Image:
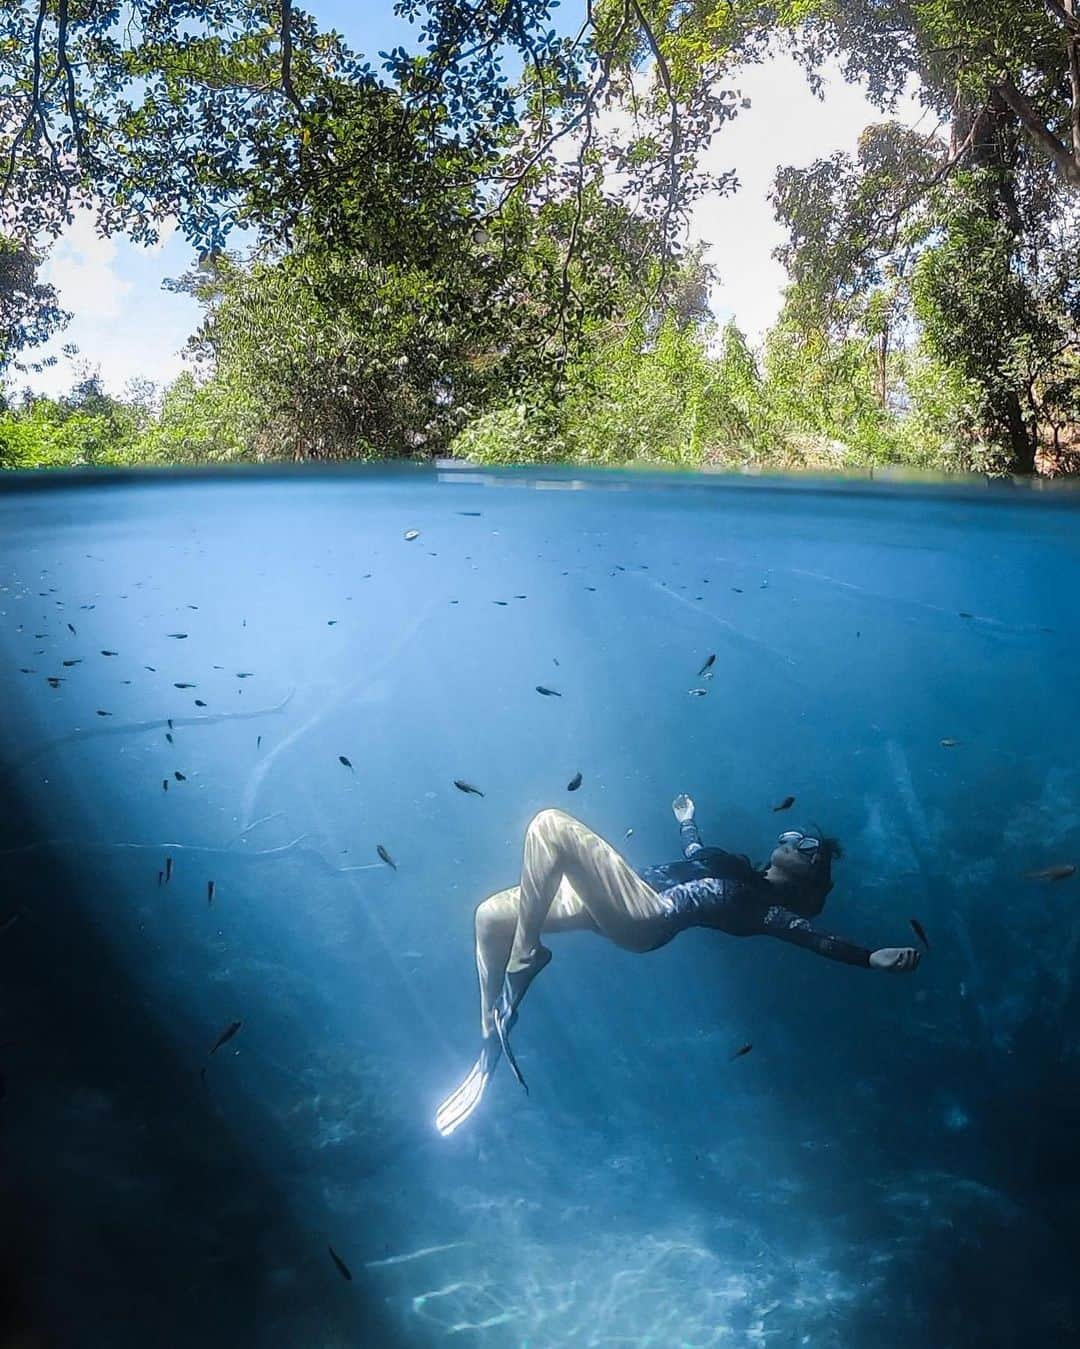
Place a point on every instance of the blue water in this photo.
(896, 1161)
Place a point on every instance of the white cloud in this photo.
(81, 268)
(785, 124)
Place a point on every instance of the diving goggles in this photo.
(801, 843)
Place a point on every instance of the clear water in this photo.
(895, 1163)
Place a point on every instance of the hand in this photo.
(683, 808)
(896, 958)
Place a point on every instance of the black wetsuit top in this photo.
(713, 888)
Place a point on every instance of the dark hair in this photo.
(811, 893)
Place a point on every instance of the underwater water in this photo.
(894, 1163)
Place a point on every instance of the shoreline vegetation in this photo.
(477, 246)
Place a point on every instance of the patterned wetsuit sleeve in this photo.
(788, 926)
(691, 839)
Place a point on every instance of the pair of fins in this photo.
(461, 1103)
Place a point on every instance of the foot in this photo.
(460, 1104)
(504, 1013)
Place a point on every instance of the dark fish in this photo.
(330, 622)
(151, 668)
(169, 720)
(55, 680)
(574, 783)
(743, 1049)
(199, 702)
(179, 776)
(385, 856)
(226, 1035)
(164, 784)
(593, 588)
(343, 1268)
(1058, 873)
(707, 664)
(342, 760)
(555, 659)
(258, 741)
(737, 590)
(465, 787)
(103, 714)
(168, 869)
(209, 892)
(244, 674)
(110, 653)
(920, 932)
(24, 670)
(76, 661)
(786, 804)
(74, 633)
(548, 693)
(192, 606)
(185, 686)
(159, 875)
(168, 736)
(521, 597)
(964, 613)
(178, 634)
(468, 512)
(502, 602)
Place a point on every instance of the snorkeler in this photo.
(573, 880)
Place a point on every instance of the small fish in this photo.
(159, 875)
(151, 668)
(548, 693)
(697, 693)
(199, 702)
(411, 534)
(629, 833)
(54, 680)
(169, 720)
(502, 602)
(592, 588)
(103, 714)
(948, 744)
(385, 856)
(920, 932)
(164, 784)
(168, 869)
(179, 776)
(737, 590)
(964, 613)
(226, 1035)
(77, 661)
(468, 512)
(330, 622)
(708, 665)
(192, 606)
(521, 597)
(574, 783)
(743, 1049)
(24, 670)
(73, 632)
(343, 1268)
(209, 892)
(342, 760)
(1058, 873)
(786, 804)
(244, 674)
(110, 653)
(466, 787)
(168, 736)
(185, 686)
(258, 741)
(178, 635)
(555, 659)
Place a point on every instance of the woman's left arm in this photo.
(788, 926)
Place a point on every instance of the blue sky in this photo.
(127, 326)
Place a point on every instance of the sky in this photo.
(128, 327)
